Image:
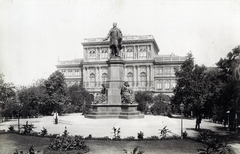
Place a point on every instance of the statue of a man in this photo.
(115, 35)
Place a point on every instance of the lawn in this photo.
(10, 142)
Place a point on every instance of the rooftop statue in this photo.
(115, 35)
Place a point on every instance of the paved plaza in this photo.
(78, 125)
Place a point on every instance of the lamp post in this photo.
(228, 112)
(19, 105)
(181, 108)
(19, 110)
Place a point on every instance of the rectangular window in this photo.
(167, 85)
(159, 84)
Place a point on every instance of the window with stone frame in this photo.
(104, 78)
(63, 72)
(130, 79)
(143, 79)
(159, 71)
(92, 80)
(92, 55)
(159, 84)
(166, 71)
(142, 53)
(77, 73)
(69, 72)
(172, 71)
(167, 85)
(104, 54)
(173, 83)
(129, 53)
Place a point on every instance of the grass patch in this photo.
(10, 142)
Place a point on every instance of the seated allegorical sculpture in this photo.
(127, 94)
(102, 96)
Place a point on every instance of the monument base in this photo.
(123, 111)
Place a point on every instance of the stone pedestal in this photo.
(114, 107)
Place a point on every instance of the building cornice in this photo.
(168, 62)
(68, 65)
(132, 39)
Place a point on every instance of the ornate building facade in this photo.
(144, 69)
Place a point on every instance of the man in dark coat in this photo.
(115, 35)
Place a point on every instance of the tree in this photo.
(6, 91)
(7, 97)
(80, 98)
(55, 96)
(192, 87)
(229, 74)
(160, 104)
(144, 99)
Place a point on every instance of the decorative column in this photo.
(86, 77)
(100, 74)
(134, 76)
(148, 76)
(152, 75)
(137, 75)
(125, 73)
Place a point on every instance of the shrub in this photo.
(31, 151)
(129, 138)
(27, 128)
(154, 138)
(11, 128)
(65, 132)
(105, 138)
(140, 135)
(116, 133)
(205, 136)
(43, 132)
(164, 132)
(184, 135)
(89, 137)
(67, 143)
(135, 151)
(215, 146)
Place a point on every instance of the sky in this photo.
(34, 34)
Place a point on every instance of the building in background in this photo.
(145, 70)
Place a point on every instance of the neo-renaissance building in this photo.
(145, 69)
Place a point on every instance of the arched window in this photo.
(92, 80)
(104, 78)
(143, 79)
(130, 79)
